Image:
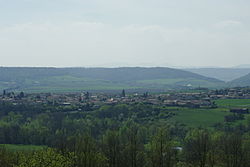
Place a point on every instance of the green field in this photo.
(60, 84)
(160, 81)
(13, 147)
(68, 83)
(199, 117)
(181, 82)
(65, 89)
(233, 103)
(208, 117)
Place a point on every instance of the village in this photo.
(194, 99)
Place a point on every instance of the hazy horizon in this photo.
(243, 66)
(113, 33)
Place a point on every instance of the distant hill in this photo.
(242, 81)
(225, 74)
(243, 66)
(77, 79)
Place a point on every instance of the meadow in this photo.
(233, 103)
(208, 117)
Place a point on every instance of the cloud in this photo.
(95, 43)
(229, 23)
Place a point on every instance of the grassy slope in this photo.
(225, 74)
(70, 83)
(75, 79)
(242, 81)
(183, 82)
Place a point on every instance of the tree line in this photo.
(127, 148)
(118, 136)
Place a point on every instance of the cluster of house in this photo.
(240, 110)
(185, 99)
(230, 93)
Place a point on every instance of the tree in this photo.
(87, 154)
(45, 158)
(213, 156)
(231, 150)
(112, 148)
(7, 159)
(133, 152)
(162, 152)
(248, 122)
(246, 151)
(196, 147)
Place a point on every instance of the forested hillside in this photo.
(75, 79)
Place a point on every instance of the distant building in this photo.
(178, 148)
(240, 110)
(66, 104)
(123, 93)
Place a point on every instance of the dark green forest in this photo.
(120, 135)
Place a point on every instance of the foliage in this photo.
(46, 158)
(136, 135)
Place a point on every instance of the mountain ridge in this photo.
(224, 74)
(42, 78)
(241, 82)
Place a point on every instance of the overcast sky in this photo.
(87, 33)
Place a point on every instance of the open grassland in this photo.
(62, 84)
(160, 81)
(209, 117)
(26, 148)
(39, 89)
(200, 117)
(233, 103)
(181, 82)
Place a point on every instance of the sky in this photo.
(114, 33)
